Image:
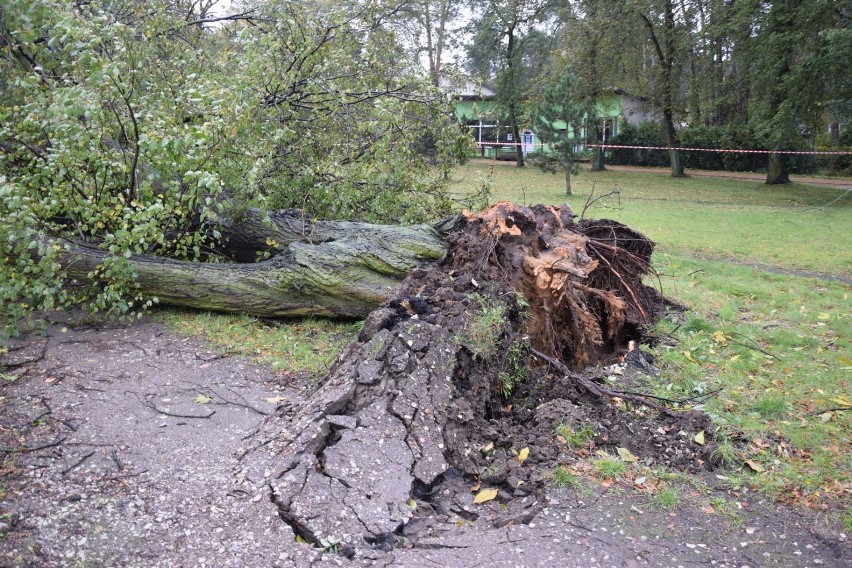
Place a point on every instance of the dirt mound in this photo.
(466, 379)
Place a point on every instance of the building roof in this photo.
(466, 88)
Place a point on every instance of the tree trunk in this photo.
(598, 155)
(513, 111)
(568, 181)
(776, 170)
(324, 268)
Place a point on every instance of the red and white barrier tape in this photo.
(732, 150)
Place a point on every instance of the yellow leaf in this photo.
(412, 504)
(626, 456)
(841, 401)
(485, 495)
(699, 438)
(488, 448)
(823, 316)
(845, 361)
(202, 399)
(719, 337)
(523, 455)
(755, 466)
(276, 399)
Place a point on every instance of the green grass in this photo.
(774, 350)
(304, 348)
(701, 215)
(484, 328)
(576, 438)
(609, 467)
(562, 477)
(668, 497)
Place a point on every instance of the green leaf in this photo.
(202, 399)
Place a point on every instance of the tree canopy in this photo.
(134, 128)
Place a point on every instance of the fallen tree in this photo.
(444, 410)
(324, 268)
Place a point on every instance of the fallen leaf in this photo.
(276, 399)
(841, 401)
(476, 487)
(640, 480)
(485, 495)
(523, 455)
(719, 337)
(606, 483)
(755, 466)
(823, 316)
(488, 448)
(412, 504)
(826, 416)
(699, 438)
(202, 399)
(626, 456)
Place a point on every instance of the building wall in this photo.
(494, 138)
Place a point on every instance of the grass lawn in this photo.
(775, 346)
(776, 225)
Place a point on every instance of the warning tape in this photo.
(732, 150)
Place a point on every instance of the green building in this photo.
(476, 107)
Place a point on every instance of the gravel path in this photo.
(123, 447)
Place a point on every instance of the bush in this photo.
(645, 134)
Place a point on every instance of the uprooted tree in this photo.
(459, 381)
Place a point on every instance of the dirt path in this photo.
(124, 446)
(839, 183)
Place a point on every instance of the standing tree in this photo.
(665, 33)
(790, 83)
(504, 47)
(432, 28)
(592, 49)
(557, 119)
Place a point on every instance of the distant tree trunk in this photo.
(776, 170)
(598, 154)
(667, 60)
(568, 181)
(513, 111)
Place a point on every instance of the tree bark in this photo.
(324, 268)
(776, 171)
(568, 181)
(513, 111)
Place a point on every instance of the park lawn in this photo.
(788, 226)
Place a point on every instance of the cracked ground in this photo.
(111, 459)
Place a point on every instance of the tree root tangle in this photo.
(470, 361)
